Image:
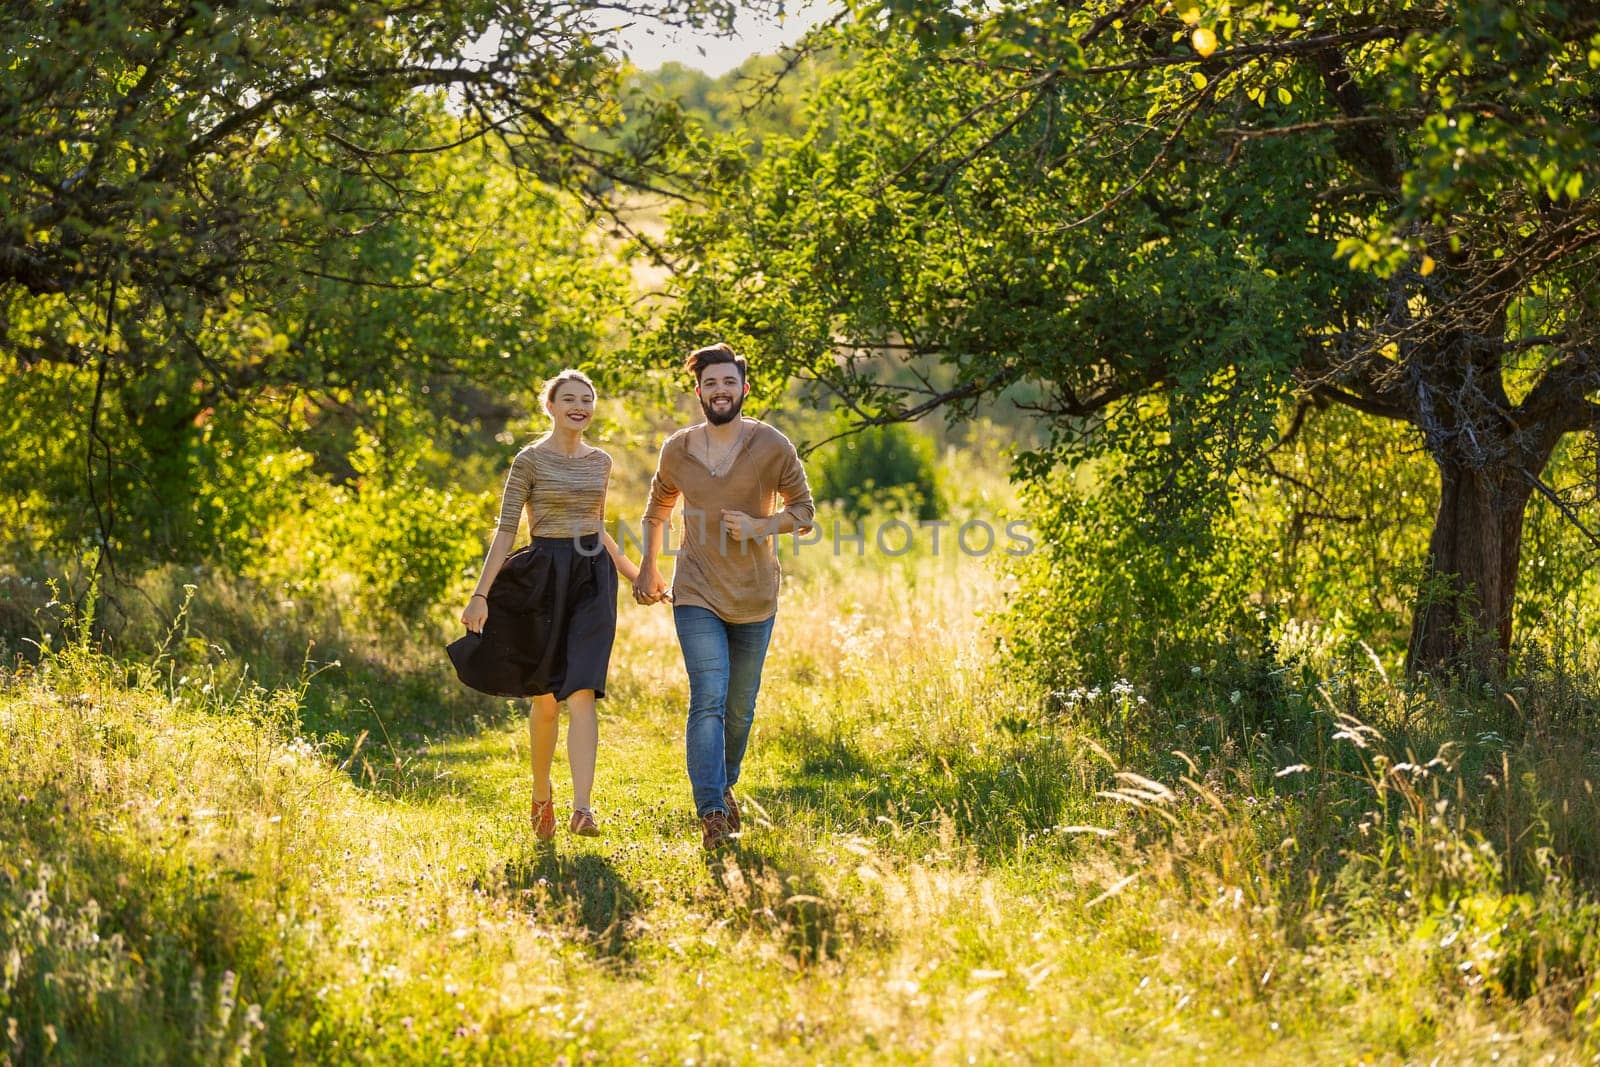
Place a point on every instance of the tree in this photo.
(208, 204)
(482, 286)
(1177, 217)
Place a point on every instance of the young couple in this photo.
(542, 620)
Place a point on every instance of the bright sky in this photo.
(650, 45)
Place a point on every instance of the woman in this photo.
(546, 615)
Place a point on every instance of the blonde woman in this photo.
(542, 619)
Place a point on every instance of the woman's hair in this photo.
(548, 393)
(710, 356)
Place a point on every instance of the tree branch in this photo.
(965, 391)
(1301, 47)
(1101, 396)
(1557, 400)
(405, 76)
(1561, 506)
(1360, 403)
(1341, 84)
(1194, 106)
(1103, 23)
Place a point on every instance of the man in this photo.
(730, 471)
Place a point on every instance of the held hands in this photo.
(475, 614)
(742, 527)
(649, 587)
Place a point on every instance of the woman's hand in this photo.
(648, 586)
(625, 566)
(476, 613)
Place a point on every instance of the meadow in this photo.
(942, 862)
(1278, 325)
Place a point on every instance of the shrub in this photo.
(885, 464)
(388, 547)
(1110, 592)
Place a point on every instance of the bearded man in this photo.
(731, 472)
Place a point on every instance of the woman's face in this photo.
(572, 406)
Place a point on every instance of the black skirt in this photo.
(552, 621)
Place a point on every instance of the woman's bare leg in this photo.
(583, 739)
(543, 726)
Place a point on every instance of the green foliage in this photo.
(495, 289)
(1349, 538)
(1313, 552)
(864, 470)
(213, 215)
(761, 100)
(389, 545)
(1117, 591)
(42, 493)
(1169, 220)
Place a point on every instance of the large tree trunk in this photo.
(1462, 620)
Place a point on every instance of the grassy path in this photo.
(917, 883)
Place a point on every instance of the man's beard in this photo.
(722, 420)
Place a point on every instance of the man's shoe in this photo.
(717, 831)
(543, 817)
(733, 809)
(583, 823)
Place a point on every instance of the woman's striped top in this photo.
(563, 497)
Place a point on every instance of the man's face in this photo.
(721, 393)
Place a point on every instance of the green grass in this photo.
(941, 865)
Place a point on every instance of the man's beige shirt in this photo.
(738, 580)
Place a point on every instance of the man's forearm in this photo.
(783, 522)
(652, 542)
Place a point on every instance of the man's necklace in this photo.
(716, 468)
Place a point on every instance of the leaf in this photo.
(1427, 266)
(1204, 42)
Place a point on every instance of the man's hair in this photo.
(710, 356)
(548, 393)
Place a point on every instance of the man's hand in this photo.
(649, 587)
(741, 527)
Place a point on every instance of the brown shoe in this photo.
(543, 817)
(717, 832)
(583, 823)
(733, 809)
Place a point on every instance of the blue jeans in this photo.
(724, 663)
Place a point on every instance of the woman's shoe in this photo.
(583, 824)
(543, 816)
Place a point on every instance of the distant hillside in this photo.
(760, 98)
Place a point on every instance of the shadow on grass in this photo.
(781, 895)
(988, 797)
(241, 634)
(444, 771)
(412, 703)
(583, 890)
